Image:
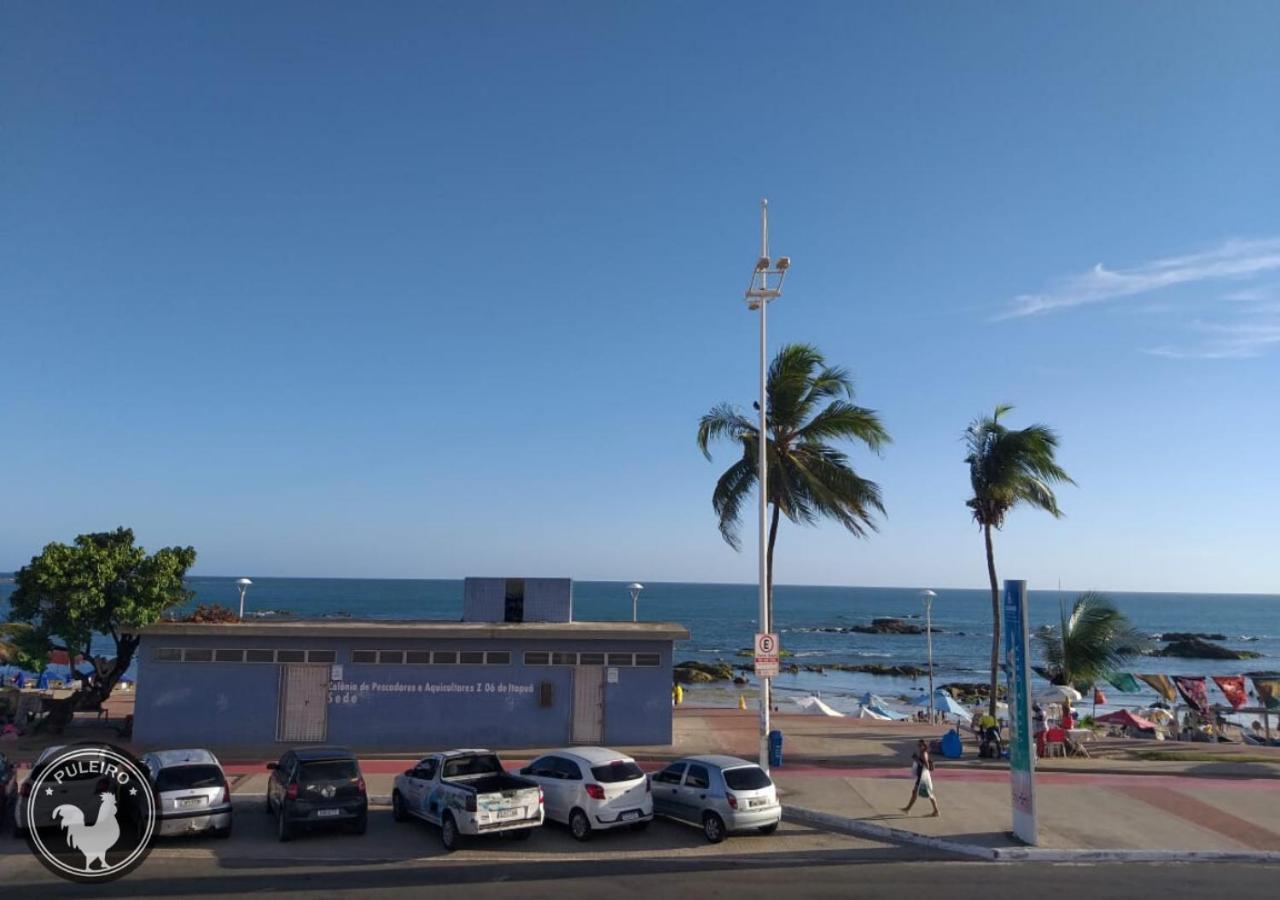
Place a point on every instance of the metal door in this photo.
(304, 703)
(588, 705)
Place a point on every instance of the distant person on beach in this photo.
(922, 768)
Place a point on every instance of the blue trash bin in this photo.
(775, 748)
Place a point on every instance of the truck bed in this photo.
(492, 784)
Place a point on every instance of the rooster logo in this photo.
(92, 840)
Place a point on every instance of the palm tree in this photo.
(1092, 642)
(809, 479)
(1007, 468)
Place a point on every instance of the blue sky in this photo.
(442, 289)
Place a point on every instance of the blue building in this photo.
(517, 671)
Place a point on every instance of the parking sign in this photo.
(766, 655)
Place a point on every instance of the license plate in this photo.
(758, 803)
(188, 802)
(325, 813)
(509, 813)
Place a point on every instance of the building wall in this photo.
(545, 599)
(410, 706)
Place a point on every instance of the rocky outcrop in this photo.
(1198, 649)
(691, 672)
(970, 693)
(890, 626)
(1172, 636)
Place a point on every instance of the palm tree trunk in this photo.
(995, 619)
(773, 536)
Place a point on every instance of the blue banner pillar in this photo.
(1017, 666)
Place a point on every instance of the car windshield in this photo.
(472, 765)
(329, 770)
(188, 778)
(747, 778)
(616, 771)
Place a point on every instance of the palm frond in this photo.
(722, 422)
(1093, 639)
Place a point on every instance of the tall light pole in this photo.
(927, 596)
(635, 588)
(759, 295)
(243, 584)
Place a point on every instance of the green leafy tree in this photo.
(101, 584)
(1091, 642)
(809, 479)
(1008, 468)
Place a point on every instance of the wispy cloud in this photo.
(1236, 340)
(1234, 259)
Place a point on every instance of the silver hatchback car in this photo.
(192, 792)
(723, 794)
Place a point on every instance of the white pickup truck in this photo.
(467, 792)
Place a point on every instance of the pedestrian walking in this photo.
(922, 768)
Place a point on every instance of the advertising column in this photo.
(1022, 759)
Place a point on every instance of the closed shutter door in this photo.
(588, 705)
(304, 703)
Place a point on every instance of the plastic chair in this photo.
(1055, 742)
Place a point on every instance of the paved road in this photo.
(819, 876)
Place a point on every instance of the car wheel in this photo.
(284, 831)
(267, 806)
(768, 829)
(397, 807)
(713, 828)
(522, 835)
(640, 826)
(222, 833)
(449, 833)
(579, 825)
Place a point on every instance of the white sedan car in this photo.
(592, 789)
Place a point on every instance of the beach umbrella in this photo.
(1160, 715)
(1056, 693)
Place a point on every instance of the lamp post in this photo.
(759, 294)
(635, 588)
(927, 596)
(243, 584)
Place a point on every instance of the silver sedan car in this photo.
(723, 794)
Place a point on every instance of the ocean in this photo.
(721, 619)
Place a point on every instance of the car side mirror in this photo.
(411, 773)
(273, 765)
(527, 770)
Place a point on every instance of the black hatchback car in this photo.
(317, 786)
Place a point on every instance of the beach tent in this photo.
(1127, 719)
(816, 707)
(866, 712)
(943, 702)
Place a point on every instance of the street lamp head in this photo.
(783, 263)
(927, 593)
(635, 586)
(762, 264)
(243, 582)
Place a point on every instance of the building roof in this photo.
(418, 628)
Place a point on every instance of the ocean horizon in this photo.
(721, 619)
